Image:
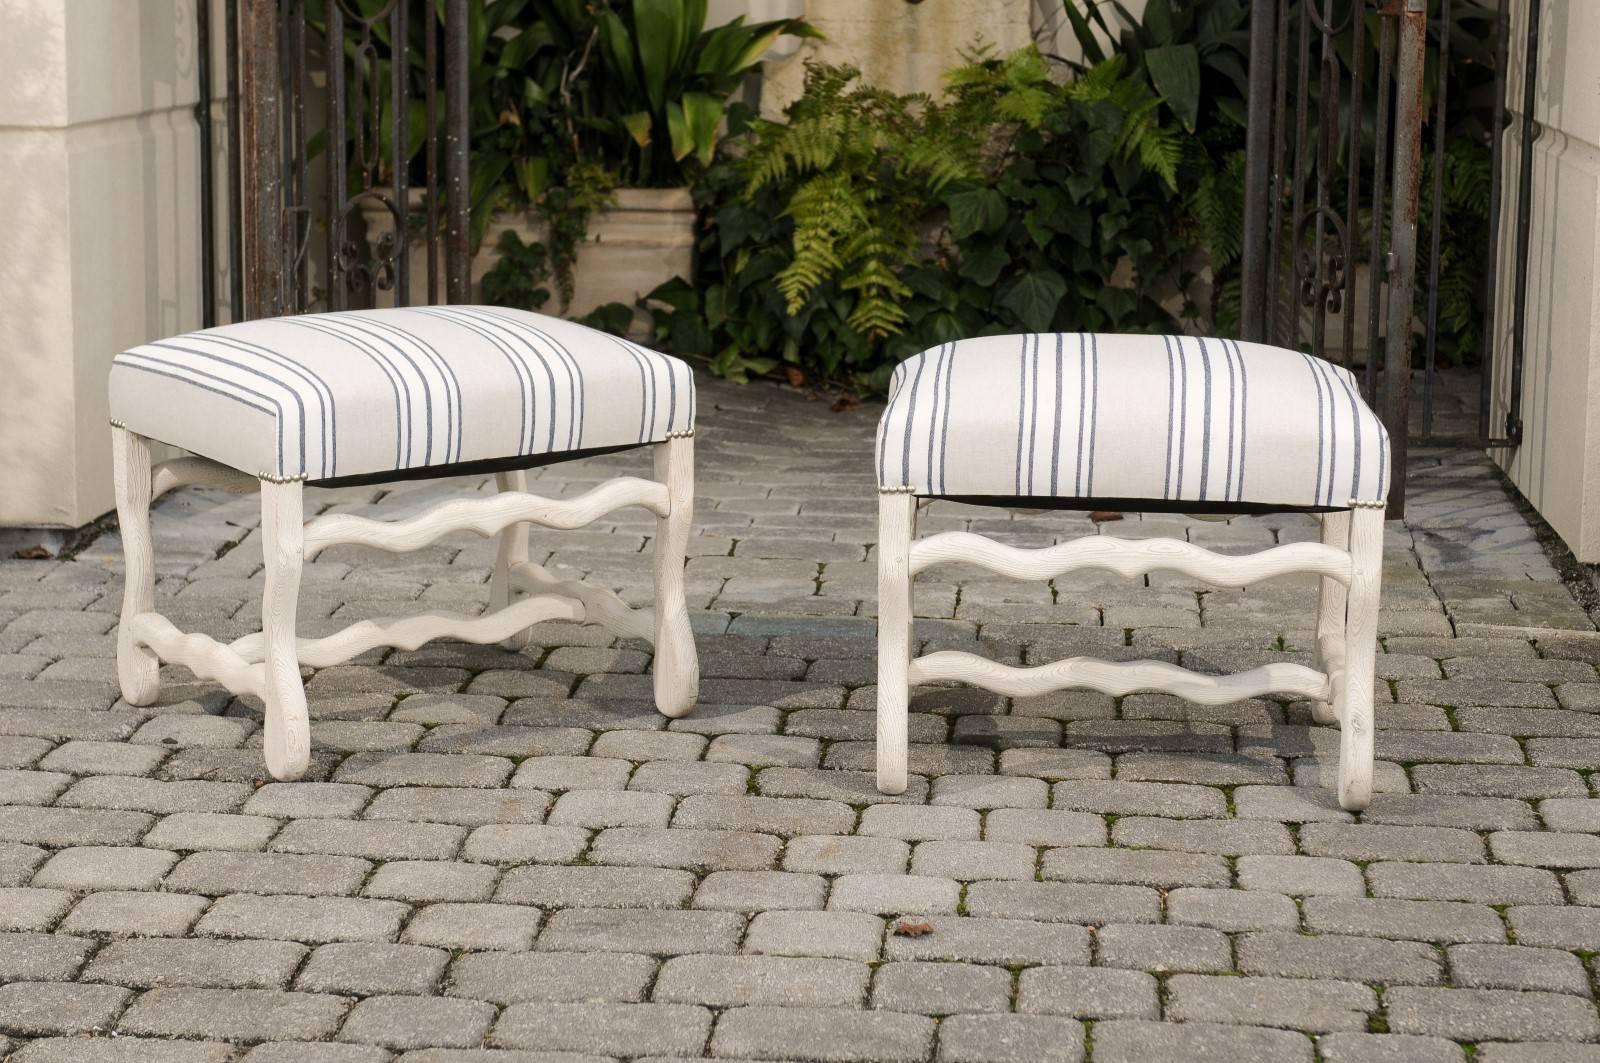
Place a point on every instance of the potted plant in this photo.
(638, 102)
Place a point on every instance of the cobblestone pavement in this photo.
(510, 857)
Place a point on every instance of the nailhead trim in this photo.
(1359, 503)
(897, 490)
(688, 434)
(271, 479)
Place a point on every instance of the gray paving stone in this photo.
(838, 935)
(755, 891)
(1353, 959)
(989, 791)
(1163, 949)
(1010, 1039)
(687, 778)
(1087, 903)
(769, 815)
(520, 843)
(267, 873)
(418, 1022)
(121, 1050)
(1044, 827)
(463, 806)
(1439, 921)
(42, 957)
(1088, 993)
(694, 850)
(1165, 870)
(1490, 1014)
(431, 880)
(1220, 836)
(741, 981)
(32, 909)
(1387, 1048)
(1300, 876)
(823, 1035)
(974, 860)
(327, 800)
(845, 855)
(555, 977)
(1139, 798)
(63, 827)
(596, 887)
(1517, 967)
(894, 894)
(191, 831)
(658, 933)
(233, 1014)
(127, 914)
(941, 988)
(1136, 1041)
(1231, 911)
(1367, 842)
(1537, 1052)
(608, 1029)
(312, 920)
(922, 822)
(1555, 927)
(473, 926)
(1464, 882)
(1312, 1006)
(148, 963)
(363, 969)
(1545, 849)
(969, 939)
(93, 867)
(44, 1009)
(152, 795)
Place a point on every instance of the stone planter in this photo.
(643, 241)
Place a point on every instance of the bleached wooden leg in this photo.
(1331, 617)
(1361, 646)
(138, 669)
(677, 667)
(288, 727)
(896, 514)
(513, 551)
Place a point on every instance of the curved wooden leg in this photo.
(513, 551)
(677, 667)
(138, 669)
(288, 727)
(1361, 646)
(1331, 605)
(896, 512)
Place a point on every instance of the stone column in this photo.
(1555, 465)
(100, 179)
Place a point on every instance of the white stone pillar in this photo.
(1556, 467)
(99, 174)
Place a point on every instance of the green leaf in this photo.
(638, 125)
(1175, 72)
(1081, 29)
(1034, 296)
(703, 115)
(678, 129)
(975, 210)
(1158, 21)
(658, 27)
(982, 264)
(616, 43)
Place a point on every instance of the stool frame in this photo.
(1349, 560)
(522, 593)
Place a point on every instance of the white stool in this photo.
(373, 396)
(1123, 422)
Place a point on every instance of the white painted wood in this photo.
(1331, 616)
(513, 551)
(287, 735)
(201, 654)
(484, 516)
(267, 664)
(1130, 558)
(410, 632)
(200, 472)
(677, 665)
(896, 514)
(138, 669)
(1118, 678)
(600, 605)
(1361, 647)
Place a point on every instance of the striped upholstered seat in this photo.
(335, 396)
(1202, 423)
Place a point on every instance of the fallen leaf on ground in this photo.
(912, 928)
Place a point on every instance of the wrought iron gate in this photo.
(1332, 217)
(328, 190)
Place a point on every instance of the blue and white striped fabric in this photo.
(1174, 418)
(351, 394)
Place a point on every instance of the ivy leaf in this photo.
(1175, 70)
(975, 210)
(1034, 296)
(982, 264)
